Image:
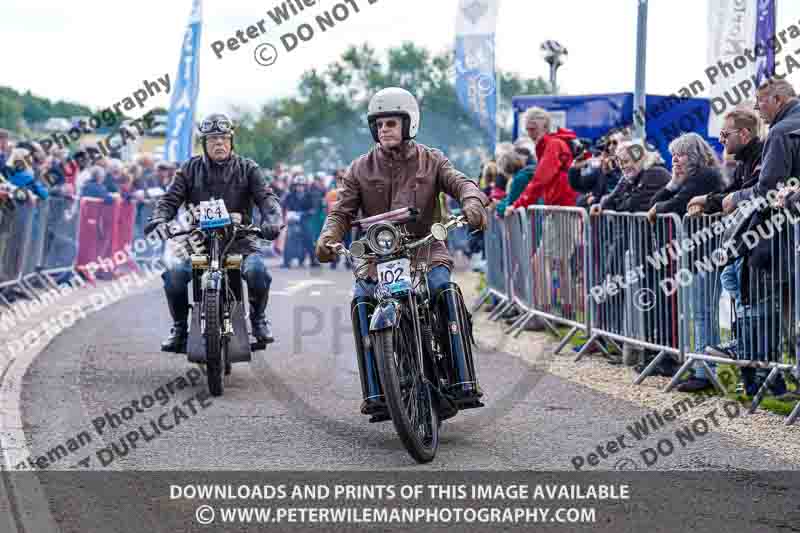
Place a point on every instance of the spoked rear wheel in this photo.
(408, 393)
(215, 351)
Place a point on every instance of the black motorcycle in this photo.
(218, 329)
(421, 370)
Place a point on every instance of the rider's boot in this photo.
(456, 338)
(262, 328)
(179, 309)
(374, 401)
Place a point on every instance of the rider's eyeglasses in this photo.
(724, 134)
(221, 124)
(389, 123)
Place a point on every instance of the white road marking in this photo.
(303, 284)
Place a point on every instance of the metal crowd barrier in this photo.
(558, 265)
(658, 326)
(16, 228)
(519, 269)
(497, 286)
(656, 286)
(34, 249)
(53, 237)
(61, 240)
(762, 289)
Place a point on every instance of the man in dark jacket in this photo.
(777, 103)
(740, 137)
(219, 173)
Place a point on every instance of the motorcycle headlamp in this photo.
(383, 239)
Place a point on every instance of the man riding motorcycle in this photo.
(222, 174)
(399, 173)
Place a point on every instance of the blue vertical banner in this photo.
(765, 30)
(180, 124)
(476, 83)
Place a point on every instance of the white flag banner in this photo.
(731, 29)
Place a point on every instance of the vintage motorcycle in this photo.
(421, 367)
(219, 326)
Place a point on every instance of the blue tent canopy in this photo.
(593, 115)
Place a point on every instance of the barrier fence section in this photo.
(16, 226)
(558, 268)
(674, 287)
(520, 285)
(759, 277)
(42, 241)
(496, 282)
(654, 320)
(61, 245)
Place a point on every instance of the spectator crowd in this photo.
(620, 174)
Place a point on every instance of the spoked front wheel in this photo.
(408, 392)
(216, 354)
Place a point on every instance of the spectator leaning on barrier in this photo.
(739, 135)
(643, 175)
(777, 103)
(695, 171)
(756, 317)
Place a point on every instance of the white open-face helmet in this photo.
(394, 101)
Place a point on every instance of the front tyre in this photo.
(215, 354)
(407, 391)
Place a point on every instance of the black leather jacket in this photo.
(238, 181)
(746, 174)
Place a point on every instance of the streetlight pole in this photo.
(555, 55)
(639, 98)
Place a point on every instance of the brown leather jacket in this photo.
(383, 180)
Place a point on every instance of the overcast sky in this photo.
(97, 52)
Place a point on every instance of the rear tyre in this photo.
(407, 391)
(215, 355)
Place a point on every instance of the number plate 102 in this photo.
(395, 275)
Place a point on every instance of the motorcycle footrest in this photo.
(469, 404)
(380, 417)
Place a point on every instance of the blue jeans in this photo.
(438, 278)
(705, 302)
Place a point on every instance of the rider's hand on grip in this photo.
(475, 213)
(158, 225)
(270, 231)
(324, 252)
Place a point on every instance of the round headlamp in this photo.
(384, 239)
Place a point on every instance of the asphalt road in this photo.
(296, 405)
(105, 411)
